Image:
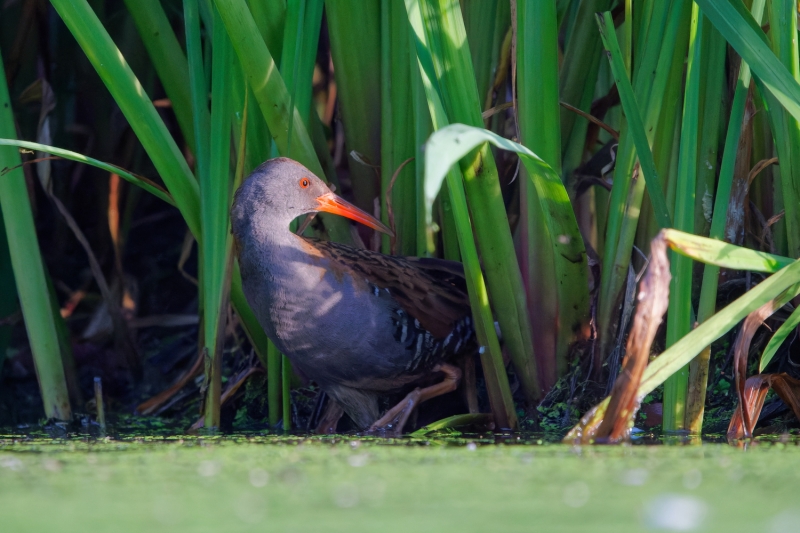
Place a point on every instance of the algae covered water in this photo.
(263, 483)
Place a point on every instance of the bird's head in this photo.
(283, 190)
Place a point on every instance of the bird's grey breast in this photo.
(334, 325)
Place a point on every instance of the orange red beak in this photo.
(330, 203)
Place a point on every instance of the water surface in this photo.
(334, 484)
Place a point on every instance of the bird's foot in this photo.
(392, 423)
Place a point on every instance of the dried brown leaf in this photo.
(612, 424)
(151, 405)
(752, 401)
(234, 385)
(741, 350)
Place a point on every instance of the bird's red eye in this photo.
(304, 183)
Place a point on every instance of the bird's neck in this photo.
(270, 251)
(274, 242)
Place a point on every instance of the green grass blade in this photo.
(270, 18)
(149, 128)
(666, 138)
(244, 130)
(300, 39)
(682, 352)
(480, 23)
(455, 421)
(680, 302)
(786, 128)
(273, 98)
(257, 137)
(423, 127)
(500, 58)
(578, 74)
(387, 123)
(537, 79)
(354, 28)
(455, 141)
(642, 17)
(538, 115)
(292, 62)
(448, 63)
(497, 386)
(660, 49)
(485, 31)
(294, 65)
(214, 205)
(301, 36)
(711, 111)
(268, 85)
(447, 226)
(724, 255)
(26, 260)
(635, 124)
(135, 105)
(627, 38)
(782, 285)
(168, 59)
(197, 85)
(743, 33)
(398, 128)
(786, 329)
(140, 181)
(698, 371)
(256, 150)
(65, 345)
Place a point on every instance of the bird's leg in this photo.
(330, 418)
(395, 418)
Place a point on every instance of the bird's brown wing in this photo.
(433, 291)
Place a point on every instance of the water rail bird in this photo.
(359, 323)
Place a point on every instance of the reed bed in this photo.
(545, 144)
